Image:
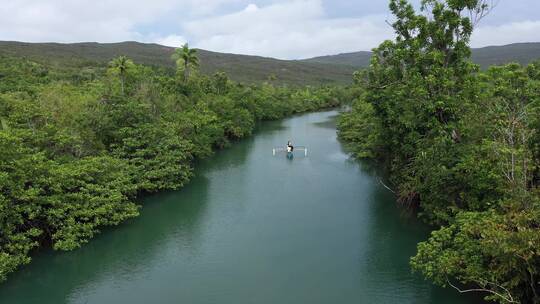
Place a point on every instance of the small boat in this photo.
(290, 153)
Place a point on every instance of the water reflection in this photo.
(250, 228)
(329, 123)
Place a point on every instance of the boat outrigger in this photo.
(289, 150)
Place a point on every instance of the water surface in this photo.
(250, 228)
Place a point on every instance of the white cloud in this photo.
(283, 28)
(97, 20)
(292, 29)
(66, 21)
(204, 7)
(524, 31)
(171, 40)
(286, 29)
(251, 8)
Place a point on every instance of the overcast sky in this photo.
(289, 29)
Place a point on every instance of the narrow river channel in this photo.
(250, 228)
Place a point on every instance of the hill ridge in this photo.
(242, 68)
(521, 52)
(329, 69)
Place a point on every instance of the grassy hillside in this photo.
(241, 68)
(356, 59)
(522, 53)
(250, 69)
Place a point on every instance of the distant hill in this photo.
(356, 59)
(492, 55)
(249, 69)
(522, 53)
(334, 69)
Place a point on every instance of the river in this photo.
(250, 228)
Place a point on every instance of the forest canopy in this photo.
(79, 145)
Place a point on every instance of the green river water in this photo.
(250, 228)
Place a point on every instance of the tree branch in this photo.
(507, 298)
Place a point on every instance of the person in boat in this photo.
(290, 147)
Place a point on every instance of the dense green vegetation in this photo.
(79, 145)
(461, 146)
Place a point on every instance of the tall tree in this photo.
(186, 60)
(425, 74)
(120, 66)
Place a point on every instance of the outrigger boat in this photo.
(289, 152)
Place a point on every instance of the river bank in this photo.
(250, 228)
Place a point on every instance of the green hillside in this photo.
(243, 68)
(356, 59)
(522, 53)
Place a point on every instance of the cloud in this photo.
(292, 29)
(97, 20)
(77, 20)
(251, 8)
(286, 29)
(171, 40)
(523, 31)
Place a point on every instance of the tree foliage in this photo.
(77, 150)
(120, 67)
(186, 60)
(461, 147)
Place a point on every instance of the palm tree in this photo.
(120, 66)
(186, 59)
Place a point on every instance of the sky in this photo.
(286, 29)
